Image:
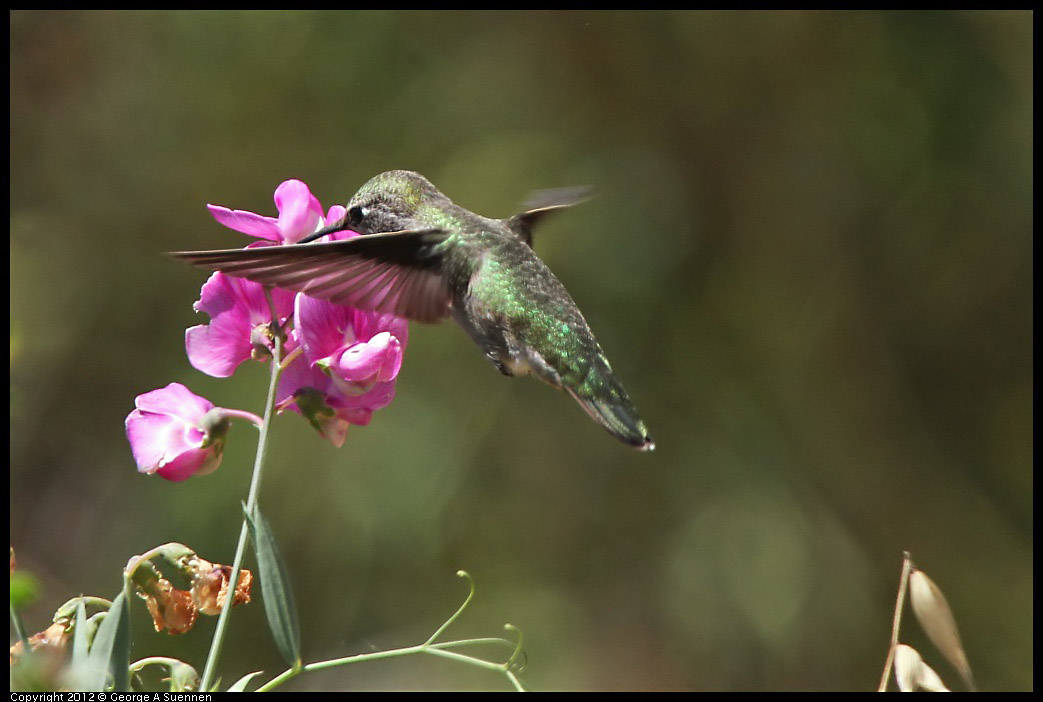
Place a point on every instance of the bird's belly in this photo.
(502, 346)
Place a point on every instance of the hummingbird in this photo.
(425, 258)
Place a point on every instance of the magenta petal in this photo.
(217, 296)
(221, 294)
(247, 222)
(299, 374)
(336, 214)
(377, 397)
(191, 462)
(323, 326)
(175, 400)
(379, 358)
(299, 211)
(369, 324)
(392, 359)
(166, 433)
(213, 351)
(147, 434)
(157, 440)
(358, 417)
(250, 301)
(236, 307)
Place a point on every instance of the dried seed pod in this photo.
(912, 673)
(937, 621)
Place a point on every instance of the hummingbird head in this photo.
(393, 201)
(390, 202)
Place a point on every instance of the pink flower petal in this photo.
(175, 400)
(324, 327)
(377, 359)
(299, 211)
(336, 214)
(358, 417)
(247, 222)
(377, 397)
(148, 436)
(191, 462)
(335, 429)
(369, 324)
(236, 307)
(214, 352)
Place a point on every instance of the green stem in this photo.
(460, 609)
(440, 649)
(251, 502)
(19, 628)
(153, 660)
(434, 650)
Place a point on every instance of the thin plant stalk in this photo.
(430, 647)
(907, 567)
(251, 502)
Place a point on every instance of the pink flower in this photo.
(347, 359)
(357, 348)
(175, 433)
(329, 402)
(240, 324)
(300, 214)
(240, 318)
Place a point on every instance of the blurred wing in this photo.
(556, 198)
(543, 202)
(396, 272)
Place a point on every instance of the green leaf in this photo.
(111, 646)
(240, 684)
(79, 667)
(279, 605)
(120, 661)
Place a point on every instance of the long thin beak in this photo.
(338, 226)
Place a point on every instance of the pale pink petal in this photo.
(148, 434)
(335, 429)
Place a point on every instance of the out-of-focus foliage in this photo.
(810, 264)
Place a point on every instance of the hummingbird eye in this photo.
(356, 214)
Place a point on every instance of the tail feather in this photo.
(619, 418)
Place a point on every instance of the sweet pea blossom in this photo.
(300, 214)
(350, 358)
(347, 367)
(240, 324)
(357, 348)
(175, 433)
(240, 317)
(323, 400)
(341, 363)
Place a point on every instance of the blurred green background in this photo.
(810, 264)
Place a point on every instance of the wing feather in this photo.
(395, 272)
